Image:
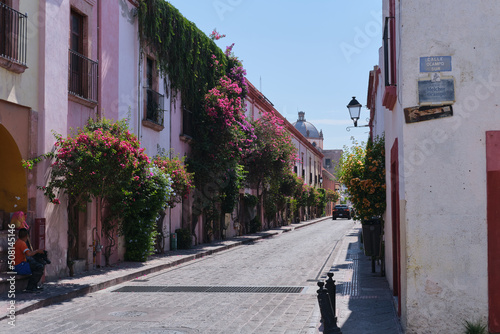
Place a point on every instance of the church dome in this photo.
(307, 129)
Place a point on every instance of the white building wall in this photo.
(129, 68)
(131, 101)
(443, 164)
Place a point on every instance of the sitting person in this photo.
(24, 264)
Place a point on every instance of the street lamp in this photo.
(354, 108)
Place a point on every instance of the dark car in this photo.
(341, 211)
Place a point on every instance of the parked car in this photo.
(341, 211)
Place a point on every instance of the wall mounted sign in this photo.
(435, 64)
(419, 114)
(434, 92)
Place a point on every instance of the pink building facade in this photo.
(309, 163)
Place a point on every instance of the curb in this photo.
(130, 276)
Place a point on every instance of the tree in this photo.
(362, 171)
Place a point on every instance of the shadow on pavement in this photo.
(364, 299)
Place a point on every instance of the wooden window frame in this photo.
(151, 87)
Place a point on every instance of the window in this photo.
(76, 37)
(390, 94)
(187, 122)
(82, 70)
(154, 100)
(389, 52)
(13, 37)
(328, 163)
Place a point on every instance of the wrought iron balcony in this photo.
(13, 34)
(82, 78)
(154, 106)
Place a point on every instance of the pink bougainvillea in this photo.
(182, 181)
(215, 35)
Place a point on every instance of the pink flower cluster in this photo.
(215, 35)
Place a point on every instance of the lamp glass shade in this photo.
(354, 109)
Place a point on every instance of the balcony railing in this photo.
(13, 34)
(82, 80)
(154, 106)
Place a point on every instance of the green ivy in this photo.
(182, 50)
(197, 68)
(250, 200)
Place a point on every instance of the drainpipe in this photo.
(172, 106)
(139, 90)
(99, 106)
(99, 65)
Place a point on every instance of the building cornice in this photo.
(255, 96)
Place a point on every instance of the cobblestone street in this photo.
(295, 259)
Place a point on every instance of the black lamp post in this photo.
(354, 108)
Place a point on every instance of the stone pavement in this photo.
(365, 304)
(364, 301)
(102, 278)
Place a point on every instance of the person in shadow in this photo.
(25, 264)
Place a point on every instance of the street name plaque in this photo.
(435, 64)
(436, 92)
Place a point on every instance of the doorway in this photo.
(493, 226)
(395, 223)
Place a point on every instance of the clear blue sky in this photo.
(304, 55)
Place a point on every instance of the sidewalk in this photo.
(102, 278)
(365, 304)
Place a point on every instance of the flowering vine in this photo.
(182, 180)
(223, 136)
(215, 36)
(269, 163)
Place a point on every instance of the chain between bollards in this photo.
(327, 305)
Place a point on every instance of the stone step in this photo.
(20, 283)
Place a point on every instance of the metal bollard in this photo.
(327, 313)
(332, 291)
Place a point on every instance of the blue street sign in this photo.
(435, 64)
